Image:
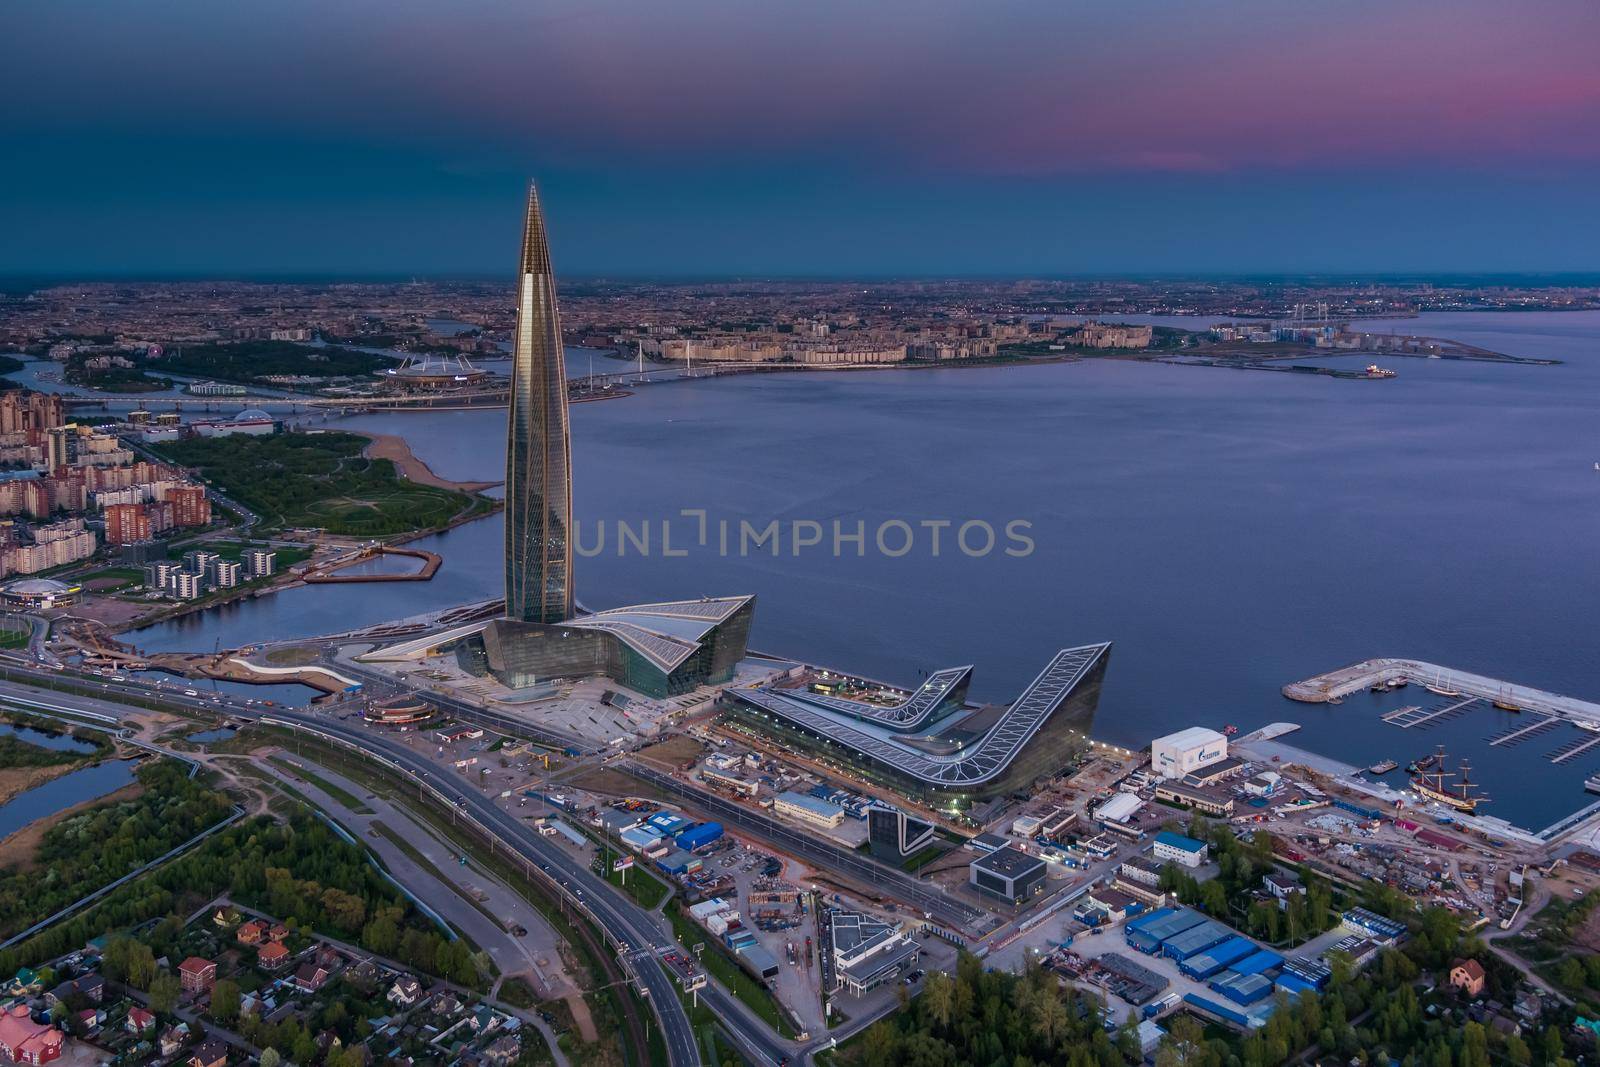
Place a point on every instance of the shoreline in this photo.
(397, 450)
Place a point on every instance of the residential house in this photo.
(1468, 977)
(278, 932)
(311, 976)
(272, 956)
(405, 993)
(173, 1038)
(197, 975)
(1282, 885)
(209, 1053)
(251, 933)
(1528, 1005)
(26, 1041)
(24, 984)
(138, 1021)
(503, 1051)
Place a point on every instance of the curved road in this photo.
(638, 935)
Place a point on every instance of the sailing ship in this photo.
(1504, 701)
(1435, 786)
(1439, 687)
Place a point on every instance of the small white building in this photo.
(1119, 808)
(1264, 784)
(1186, 751)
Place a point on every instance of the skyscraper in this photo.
(538, 450)
(661, 649)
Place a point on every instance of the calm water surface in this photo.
(1230, 531)
(58, 794)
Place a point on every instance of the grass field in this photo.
(320, 481)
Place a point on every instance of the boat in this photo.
(1587, 724)
(1383, 767)
(1229, 730)
(1505, 703)
(1440, 688)
(1375, 371)
(1398, 683)
(1417, 766)
(1379, 687)
(1434, 786)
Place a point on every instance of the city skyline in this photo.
(830, 141)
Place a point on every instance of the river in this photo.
(1230, 531)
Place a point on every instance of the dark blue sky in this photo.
(716, 137)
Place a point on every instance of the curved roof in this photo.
(940, 692)
(37, 587)
(668, 633)
(976, 763)
(251, 415)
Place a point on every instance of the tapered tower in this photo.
(538, 449)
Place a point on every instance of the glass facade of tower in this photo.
(538, 451)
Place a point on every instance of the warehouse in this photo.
(1194, 941)
(1263, 961)
(1244, 989)
(699, 836)
(1187, 751)
(1190, 797)
(1119, 808)
(1216, 960)
(1373, 926)
(639, 838)
(1148, 932)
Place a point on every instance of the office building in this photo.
(1007, 874)
(893, 836)
(813, 811)
(867, 952)
(1176, 848)
(931, 747)
(538, 450)
(661, 649)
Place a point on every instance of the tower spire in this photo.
(538, 449)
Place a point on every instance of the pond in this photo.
(58, 795)
(44, 739)
(206, 737)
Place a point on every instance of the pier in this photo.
(1574, 749)
(1518, 734)
(1413, 716)
(1337, 684)
(327, 573)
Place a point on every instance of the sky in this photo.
(799, 137)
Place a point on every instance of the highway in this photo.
(638, 936)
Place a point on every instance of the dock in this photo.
(1337, 684)
(1574, 749)
(1518, 734)
(1410, 717)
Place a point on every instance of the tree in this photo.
(164, 990)
(270, 1058)
(938, 997)
(224, 1006)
